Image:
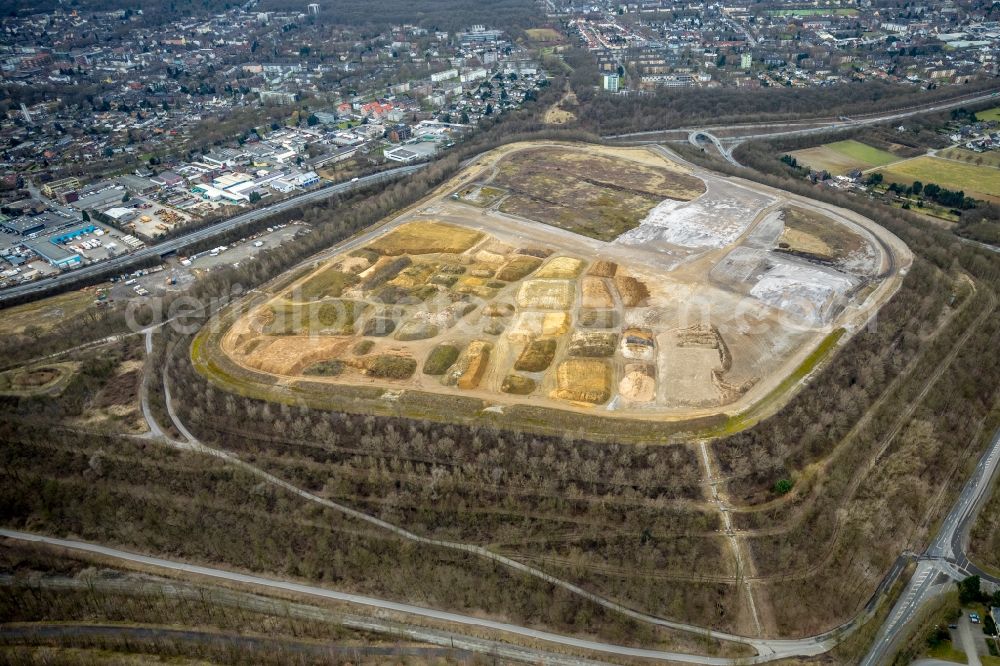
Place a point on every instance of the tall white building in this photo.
(314, 8)
(610, 82)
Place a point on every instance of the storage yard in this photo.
(714, 295)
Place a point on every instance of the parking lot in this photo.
(98, 245)
(179, 273)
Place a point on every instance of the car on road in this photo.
(974, 618)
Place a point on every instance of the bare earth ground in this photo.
(715, 297)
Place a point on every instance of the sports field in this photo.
(975, 181)
(842, 156)
(543, 35)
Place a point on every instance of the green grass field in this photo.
(840, 157)
(989, 114)
(863, 152)
(991, 158)
(975, 181)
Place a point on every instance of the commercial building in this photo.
(57, 255)
(23, 226)
(121, 214)
(138, 185)
(610, 82)
(478, 34)
(60, 188)
(411, 152)
(70, 234)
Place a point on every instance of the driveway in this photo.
(967, 636)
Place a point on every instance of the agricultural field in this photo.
(980, 182)
(989, 158)
(841, 157)
(708, 297)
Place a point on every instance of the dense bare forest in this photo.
(629, 522)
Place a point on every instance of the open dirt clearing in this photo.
(598, 195)
(46, 313)
(453, 298)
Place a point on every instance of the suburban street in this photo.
(174, 244)
(945, 560)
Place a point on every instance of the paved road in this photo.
(858, 119)
(444, 616)
(727, 153)
(945, 560)
(30, 634)
(965, 629)
(154, 251)
(377, 623)
(726, 145)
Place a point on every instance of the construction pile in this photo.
(603, 269)
(638, 343)
(561, 268)
(471, 366)
(517, 385)
(583, 380)
(632, 291)
(594, 344)
(595, 293)
(639, 383)
(536, 356)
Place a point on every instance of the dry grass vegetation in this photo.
(811, 235)
(425, 237)
(40, 316)
(984, 541)
(597, 195)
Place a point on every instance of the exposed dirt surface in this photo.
(597, 195)
(463, 295)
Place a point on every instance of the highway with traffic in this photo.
(150, 252)
(725, 145)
